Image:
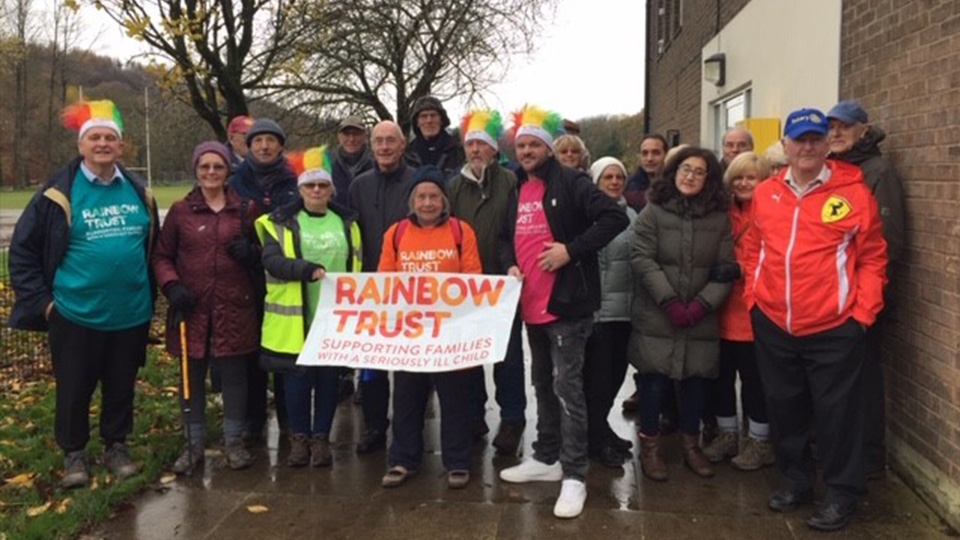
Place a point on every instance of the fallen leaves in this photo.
(257, 509)
(35, 511)
(168, 478)
(23, 480)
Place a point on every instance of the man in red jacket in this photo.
(815, 272)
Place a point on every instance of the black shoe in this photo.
(608, 456)
(507, 441)
(372, 441)
(784, 500)
(831, 516)
(76, 472)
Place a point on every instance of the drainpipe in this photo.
(646, 73)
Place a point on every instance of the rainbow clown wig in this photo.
(313, 165)
(482, 125)
(542, 124)
(84, 115)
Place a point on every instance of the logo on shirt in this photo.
(835, 209)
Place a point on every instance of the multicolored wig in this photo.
(542, 124)
(312, 165)
(84, 115)
(482, 125)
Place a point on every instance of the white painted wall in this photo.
(786, 51)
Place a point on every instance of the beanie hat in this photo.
(482, 125)
(210, 147)
(84, 115)
(429, 103)
(431, 174)
(540, 123)
(312, 165)
(240, 124)
(265, 125)
(601, 165)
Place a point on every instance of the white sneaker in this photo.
(532, 470)
(573, 494)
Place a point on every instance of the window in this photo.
(669, 21)
(729, 111)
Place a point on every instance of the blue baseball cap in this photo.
(803, 121)
(848, 112)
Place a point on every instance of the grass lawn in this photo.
(165, 195)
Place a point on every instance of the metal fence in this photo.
(24, 356)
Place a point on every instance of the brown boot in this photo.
(651, 463)
(299, 450)
(693, 456)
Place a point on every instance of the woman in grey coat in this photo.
(676, 240)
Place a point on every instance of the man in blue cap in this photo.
(815, 272)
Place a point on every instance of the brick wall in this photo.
(902, 61)
(675, 75)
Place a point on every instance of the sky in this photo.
(589, 62)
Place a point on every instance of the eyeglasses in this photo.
(315, 185)
(686, 170)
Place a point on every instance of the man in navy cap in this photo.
(814, 284)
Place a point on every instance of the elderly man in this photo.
(734, 142)
(853, 140)
(83, 240)
(379, 196)
(481, 195)
(352, 157)
(559, 224)
(237, 139)
(432, 145)
(814, 283)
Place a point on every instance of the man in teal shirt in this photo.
(79, 265)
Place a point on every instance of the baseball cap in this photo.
(802, 121)
(240, 124)
(351, 122)
(848, 112)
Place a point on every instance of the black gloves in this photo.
(725, 273)
(240, 250)
(180, 297)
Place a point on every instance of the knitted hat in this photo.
(542, 124)
(265, 125)
(240, 124)
(211, 147)
(312, 165)
(482, 125)
(601, 165)
(84, 115)
(431, 174)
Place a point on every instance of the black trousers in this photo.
(874, 435)
(604, 368)
(738, 357)
(83, 357)
(375, 385)
(815, 378)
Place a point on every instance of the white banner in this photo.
(411, 321)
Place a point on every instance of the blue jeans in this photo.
(511, 393)
(557, 351)
(319, 383)
(693, 394)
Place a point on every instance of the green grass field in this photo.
(166, 195)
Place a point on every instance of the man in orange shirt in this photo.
(815, 271)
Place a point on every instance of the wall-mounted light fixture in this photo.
(715, 69)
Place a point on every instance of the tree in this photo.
(22, 14)
(380, 56)
(220, 50)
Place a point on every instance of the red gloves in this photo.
(685, 315)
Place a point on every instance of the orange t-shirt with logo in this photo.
(430, 249)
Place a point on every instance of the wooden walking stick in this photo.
(185, 387)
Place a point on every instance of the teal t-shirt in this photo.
(322, 241)
(102, 281)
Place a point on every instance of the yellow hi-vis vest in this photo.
(284, 323)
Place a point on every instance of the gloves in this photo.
(677, 313)
(180, 297)
(696, 311)
(240, 250)
(725, 273)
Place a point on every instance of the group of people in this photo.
(695, 270)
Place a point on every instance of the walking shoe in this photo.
(531, 470)
(189, 458)
(458, 479)
(396, 476)
(756, 453)
(237, 456)
(651, 463)
(573, 493)
(507, 441)
(372, 441)
(76, 473)
(117, 461)
(632, 403)
(709, 432)
(784, 500)
(299, 451)
(320, 454)
(723, 446)
(693, 456)
(831, 516)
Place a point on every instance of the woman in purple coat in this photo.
(202, 263)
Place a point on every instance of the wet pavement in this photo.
(346, 500)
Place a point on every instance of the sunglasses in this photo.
(315, 185)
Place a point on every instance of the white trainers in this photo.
(573, 494)
(532, 470)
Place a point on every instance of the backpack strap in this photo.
(402, 228)
(398, 232)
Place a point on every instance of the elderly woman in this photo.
(743, 175)
(428, 230)
(572, 152)
(302, 241)
(205, 249)
(605, 359)
(677, 239)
